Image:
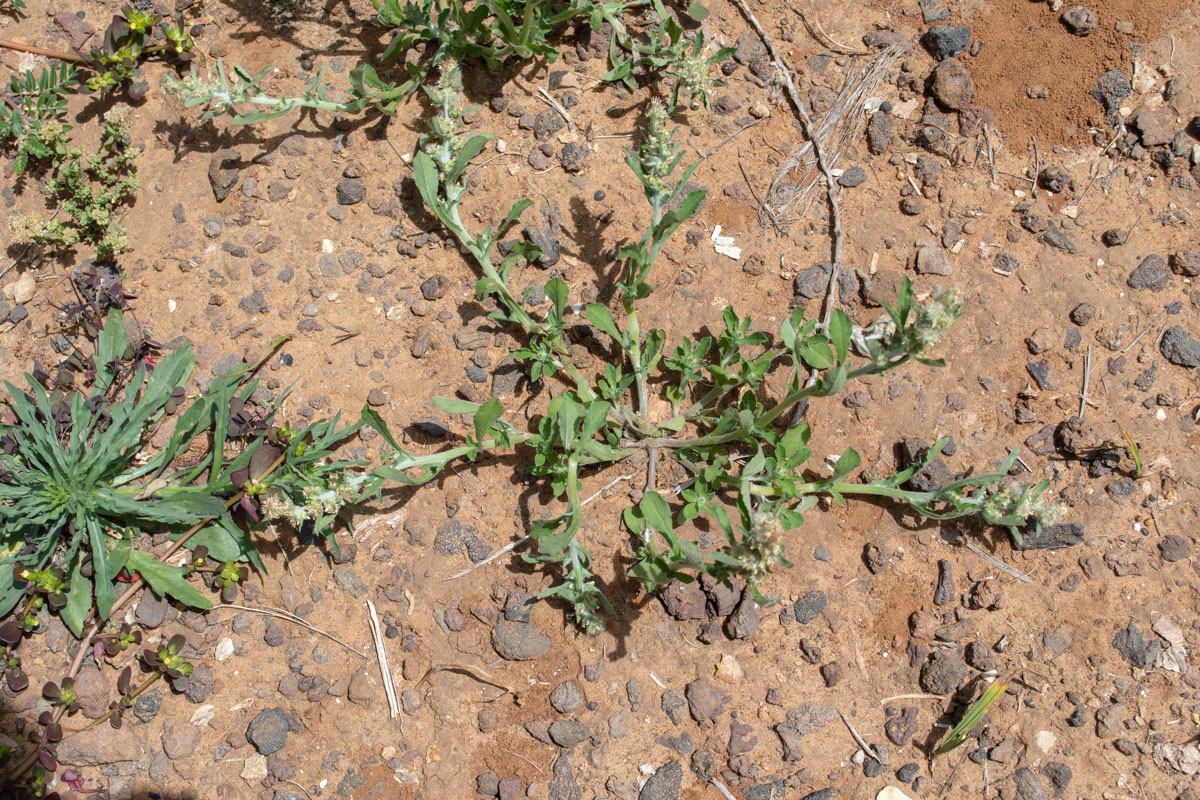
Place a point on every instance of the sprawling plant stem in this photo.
(726, 438)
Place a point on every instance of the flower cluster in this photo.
(657, 155)
(1016, 500)
(932, 321)
(323, 498)
(443, 143)
(761, 548)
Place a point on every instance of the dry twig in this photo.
(506, 549)
(381, 654)
(295, 620)
(1087, 380)
(1138, 338)
(995, 562)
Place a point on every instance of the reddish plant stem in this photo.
(40, 51)
(85, 645)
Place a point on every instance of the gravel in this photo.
(705, 702)
(1029, 785)
(519, 641)
(1180, 348)
(809, 607)
(179, 739)
(946, 41)
(546, 241)
(944, 671)
(350, 191)
(880, 131)
(952, 85)
(744, 620)
(1080, 20)
(567, 733)
(268, 730)
(566, 697)
(664, 784)
(1152, 274)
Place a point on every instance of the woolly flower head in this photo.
(761, 548)
(933, 320)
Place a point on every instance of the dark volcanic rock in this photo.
(946, 41)
(1180, 348)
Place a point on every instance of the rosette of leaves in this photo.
(167, 660)
(73, 490)
(131, 37)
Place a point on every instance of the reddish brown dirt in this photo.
(984, 398)
(1025, 44)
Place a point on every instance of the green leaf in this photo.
(167, 580)
(846, 463)
(373, 420)
(602, 318)
(100, 567)
(487, 414)
(840, 328)
(595, 418)
(816, 352)
(795, 438)
(557, 291)
(425, 175)
(514, 214)
(634, 520)
(657, 513)
(697, 12)
(470, 149)
(79, 600)
(453, 405)
(110, 347)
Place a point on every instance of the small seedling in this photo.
(132, 37)
(959, 733)
(1134, 454)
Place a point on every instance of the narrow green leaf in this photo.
(79, 600)
(167, 580)
(425, 175)
(100, 568)
(840, 328)
(973, 717)
(453, 405)
(373, 420)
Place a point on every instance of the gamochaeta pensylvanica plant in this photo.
(492, 31)
(79, 491)
(722, 428)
